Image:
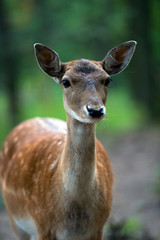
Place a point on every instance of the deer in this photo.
(56, 178)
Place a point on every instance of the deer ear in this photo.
(118, 58)
(48, 60)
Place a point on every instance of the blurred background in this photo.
(131, 130)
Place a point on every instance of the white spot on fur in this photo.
(15, 139)
(50, 156)
(36, 212)
(6, 189)
(22, 162)
(42, 122)
(59, 143)
(53, 164)
(100, 164)
(6, 148)
(20, 155)
(20, 127)
(61, 125)
(23, 192)
(35, 179)
(34, 198)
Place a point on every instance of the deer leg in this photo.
(19, 233)
(98, 236)
(45, 236)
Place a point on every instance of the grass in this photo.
(128, 229)
(122, 112)
(4, 117)
(1, 202)
(156, 184)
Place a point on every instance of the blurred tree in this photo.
(144, 18)
(78, 29)
(9, 62)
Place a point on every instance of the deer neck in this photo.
(79, 156)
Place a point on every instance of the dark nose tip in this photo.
(95, 113)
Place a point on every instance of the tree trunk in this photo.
(145, 83)
(9, 64)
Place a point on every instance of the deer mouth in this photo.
(87, 114)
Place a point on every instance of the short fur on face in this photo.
(84, 75)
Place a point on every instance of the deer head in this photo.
(84, 82)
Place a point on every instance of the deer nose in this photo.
(95, 112)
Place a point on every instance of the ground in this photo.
(135, 157)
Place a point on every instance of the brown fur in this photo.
(30, 187)
(57, 184)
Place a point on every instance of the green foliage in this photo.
(76, 29)
(122, 111)
(1, 202)
(130, 229)
(5, 125)
(41, 98)
(156, 186)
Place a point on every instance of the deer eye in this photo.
(107, 81)
(66, 83)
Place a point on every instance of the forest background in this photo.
(82, 29)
